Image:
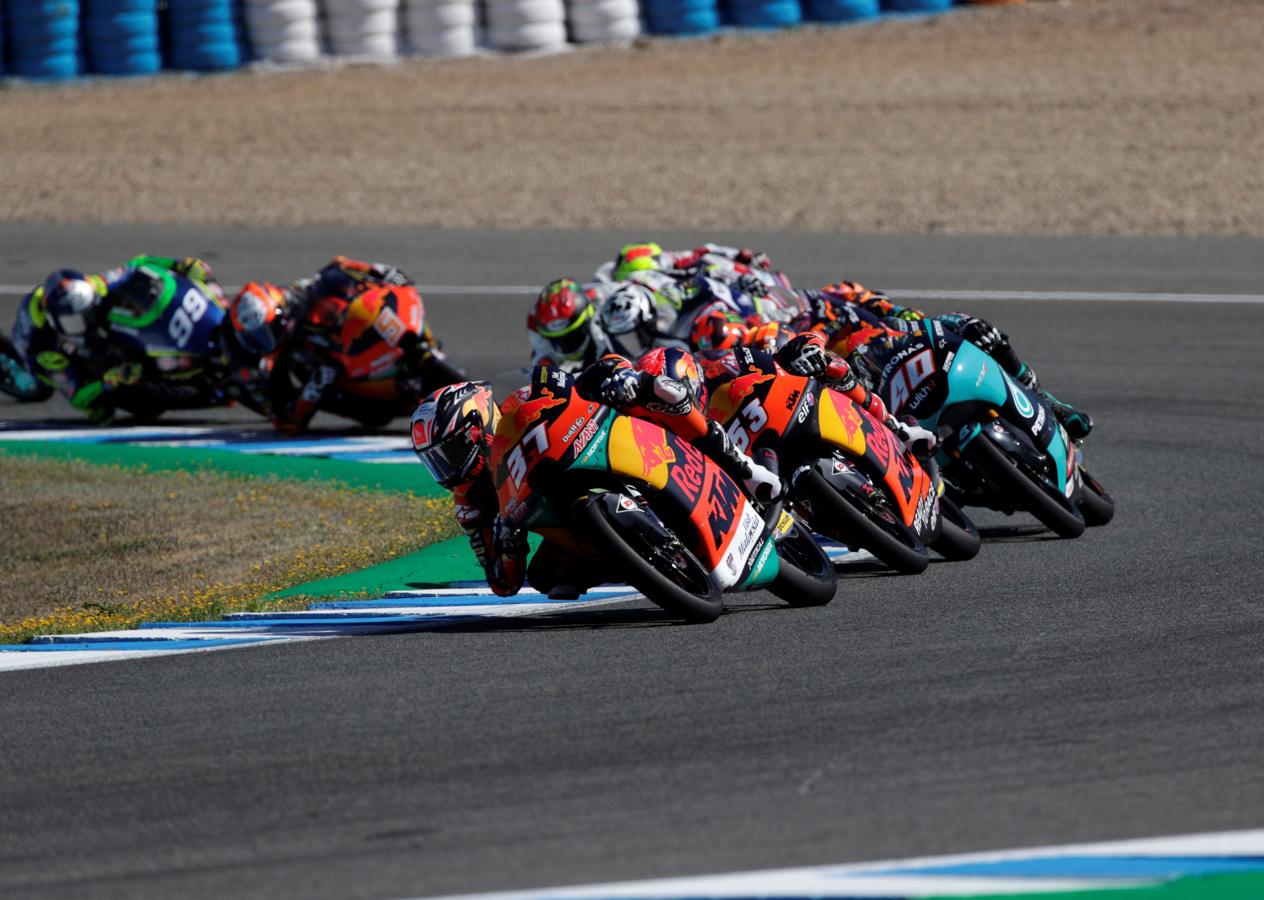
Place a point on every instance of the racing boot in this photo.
(760, 481)
(1077, 423)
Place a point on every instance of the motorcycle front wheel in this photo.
(1004, 472)
(658, 565)
(1096, 506)
(805, 575)
(856, 523)
(958, 538)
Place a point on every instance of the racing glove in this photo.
(983, 334)
(619, 388)
(804, 355)
(510, 542)
(916, 439)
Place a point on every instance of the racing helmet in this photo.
(678, 365)
(563, 315)
(72, 304)
(259, 314)
(452, 431)
(636, 258)
(630, 319)
(718, 330)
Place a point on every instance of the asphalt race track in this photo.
(1047, 692)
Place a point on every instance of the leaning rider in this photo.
(851, 316)
(452, 432)
(62, 332)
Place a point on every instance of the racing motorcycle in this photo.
(1000, 445)
(386, 357)
(657, 512)
(851, 479)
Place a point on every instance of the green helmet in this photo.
(636, 258)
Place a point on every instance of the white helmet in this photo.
(629, 317)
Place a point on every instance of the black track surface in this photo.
(1047, 691)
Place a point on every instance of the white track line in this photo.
(517, 290)
(898, 878)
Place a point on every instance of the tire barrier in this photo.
(526, 24)
(764, 13)
(596, 21)
(43, 38)
(916, 6)
(682, 16)
(363, 28)
(59, 39)
(121, 36)
(441, 27)
(841, 10)
(204, 35)
(283, 31)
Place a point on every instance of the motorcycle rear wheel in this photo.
(670, 576)
(1005, 474)
(842, 518)
(958, 538)
(805, 575)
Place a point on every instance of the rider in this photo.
(452, 431)
(851, 316)
(62, 332)
(563, 325)
(315, 315)
(637, 259)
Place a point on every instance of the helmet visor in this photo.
(632, 344)
(261, 339)
(450, 460)
(572, 339)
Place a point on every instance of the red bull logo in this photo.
(656, 453)
(527, 411)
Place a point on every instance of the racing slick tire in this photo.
(958, 538)
(850, 521)
(1095, 505)
(1005, 473)
(665, 571)
(805, 575)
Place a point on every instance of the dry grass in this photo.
(1081, 116)
(99, 547)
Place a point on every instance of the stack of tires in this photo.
(363, 28)
(841, 10)
(43, 38)
(764, 13)
(682, 16)
(441, 27)
(526, 24)
(204, 35)
(593, 21)
(121, 36)
(283, 31)
(916, 6)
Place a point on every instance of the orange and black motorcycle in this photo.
(851, 480)
(386, 356)
(645, 504)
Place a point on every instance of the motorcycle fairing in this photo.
(166, 317)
